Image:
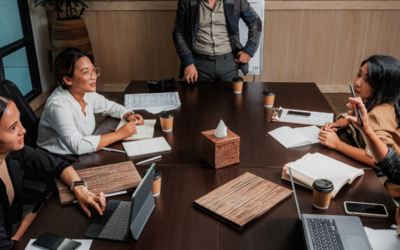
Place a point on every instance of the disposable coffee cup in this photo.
(322, 193)
(167, 120)
(237, 85)
(156, 190)
(269, 98)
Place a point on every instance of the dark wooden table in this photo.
(204, 105)
(175, 223)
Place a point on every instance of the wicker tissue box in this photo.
(220, 152)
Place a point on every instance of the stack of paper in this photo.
(294, 116)
(153, 103)
(145, 147)
(295, 137)
(383, 239)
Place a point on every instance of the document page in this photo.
(145, 131)
(153, 100)
(316, 118)
(383, 239)
(296, 137)
(144, 147)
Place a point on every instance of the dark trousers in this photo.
(216, 68)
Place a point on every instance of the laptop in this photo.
(124, 221)
(331, 231)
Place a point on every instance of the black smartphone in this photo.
(365, 209)
(298, 113)
(358, 110)
(51, 241)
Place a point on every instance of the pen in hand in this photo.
(358, 110)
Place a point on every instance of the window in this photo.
(18, 62)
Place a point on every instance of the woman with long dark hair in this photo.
(377, 83)
(15, 159)
(67, 123)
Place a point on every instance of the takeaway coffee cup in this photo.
(322, 193)
(156, 190)
(237, 84)
(167, 120)
(269, 98)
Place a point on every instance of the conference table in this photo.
(175, 222)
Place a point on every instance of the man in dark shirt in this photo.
(206, 37)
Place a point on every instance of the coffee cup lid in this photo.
(323, 185)
(237, 79)
(269, 92)
(166, 114)
(157, 174)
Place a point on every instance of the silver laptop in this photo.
(331, 231)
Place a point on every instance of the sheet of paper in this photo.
(145, 131)
(286, 136)
(383, 239)
(85, 245)
(159, 110)
(316, 118)
(144, 147)
(153, 100)
(296, 137)
(310, 133)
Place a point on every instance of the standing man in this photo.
(206, 37)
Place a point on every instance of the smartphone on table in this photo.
(365, 209)
(51, 241)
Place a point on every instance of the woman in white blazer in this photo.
(67, 123)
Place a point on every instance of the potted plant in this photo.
(68, 30)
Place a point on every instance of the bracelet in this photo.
(126, 118)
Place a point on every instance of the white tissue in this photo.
(221, 130)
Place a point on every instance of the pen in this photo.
(188, 88)
(358, 110)
(151, 159)
(109, 195)
(113, 150)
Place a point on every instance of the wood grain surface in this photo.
(107, 179)
(243, 199)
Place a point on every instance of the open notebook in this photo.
(295, 137)
(145, 131)
(317, 166)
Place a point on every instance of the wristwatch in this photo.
(126, 117)
(78, 183)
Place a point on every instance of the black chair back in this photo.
(27, 116)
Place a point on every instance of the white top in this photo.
(64, 129)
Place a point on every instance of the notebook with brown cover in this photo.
(242, 200)
(108, 179)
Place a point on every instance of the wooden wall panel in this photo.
(322, 46)
(132, 45)
(325, 47)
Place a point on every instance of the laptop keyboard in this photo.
(324, 234)
(117, 226)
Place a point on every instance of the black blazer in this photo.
(18, 162)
